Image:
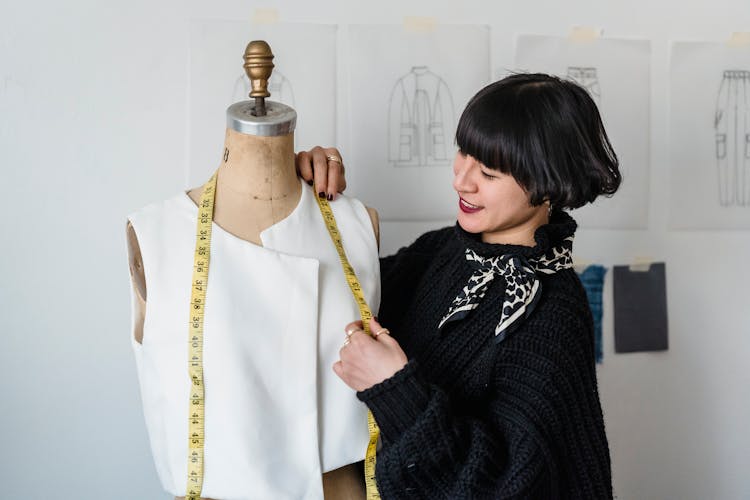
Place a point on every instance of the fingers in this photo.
(365, 361)
(374, 325)
(354, 325)
(324, 174)
(320, 171)
(336, 176)
(303, 164)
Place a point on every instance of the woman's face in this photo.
(493, 203)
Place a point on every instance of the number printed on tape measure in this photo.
(201, 261)
(365, 313)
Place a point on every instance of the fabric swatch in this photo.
(593, 282)
(640, 309)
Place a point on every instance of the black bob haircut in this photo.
(546, 133)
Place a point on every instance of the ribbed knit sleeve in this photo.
(537, 433)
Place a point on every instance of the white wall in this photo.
(93, 109)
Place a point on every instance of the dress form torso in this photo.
(257, 188)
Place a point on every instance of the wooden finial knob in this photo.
(258, 66)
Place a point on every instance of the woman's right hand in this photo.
(324, 174)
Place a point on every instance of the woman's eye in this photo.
(488, 176)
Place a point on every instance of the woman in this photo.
(486, 385)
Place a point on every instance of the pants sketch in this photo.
(586, 78)
(420, 120)
(732, 124)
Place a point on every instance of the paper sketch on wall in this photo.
(401, 133)
(709, 125)
(278, 85)
(421, 122)
(587, 78)
(732, 126)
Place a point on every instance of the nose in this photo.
(462, 179)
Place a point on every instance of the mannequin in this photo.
(257, 187)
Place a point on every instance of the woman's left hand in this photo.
(365, 360)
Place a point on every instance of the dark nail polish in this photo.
(309, 183)
(330, 197)
(321, 195)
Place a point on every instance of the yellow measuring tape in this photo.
(365, 314)
(201, 259)
(196, 429)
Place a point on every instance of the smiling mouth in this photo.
(467, 207)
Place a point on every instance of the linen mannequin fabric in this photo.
(277, 416)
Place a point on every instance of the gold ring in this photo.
(382, 330)
(334, 158)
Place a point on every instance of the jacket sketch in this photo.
(421, 122)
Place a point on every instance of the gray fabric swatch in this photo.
(640, 299)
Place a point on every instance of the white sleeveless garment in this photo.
(277, 416)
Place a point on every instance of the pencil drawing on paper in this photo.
(421, 120)
(732, 136)
(587, 78)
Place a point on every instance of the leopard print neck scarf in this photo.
(522, 289)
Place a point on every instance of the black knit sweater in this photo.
(468, 417)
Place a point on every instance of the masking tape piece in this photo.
(420, 24)
(641, 264)
(584, 34)
(265, 16)
(739, 39)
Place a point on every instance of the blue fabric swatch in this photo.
(593, 282)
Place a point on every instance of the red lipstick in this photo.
(467, 207)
